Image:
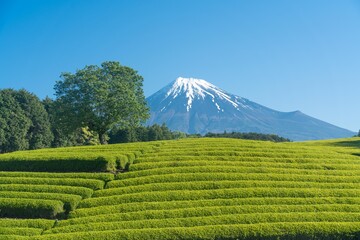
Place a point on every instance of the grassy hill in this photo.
(183, 189)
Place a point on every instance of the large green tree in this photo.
(24, 123)
(101, 98)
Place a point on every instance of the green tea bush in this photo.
(342, 159)
(204, 176)
(232, 169)
(213, 220)
(81, 191)
(100, 176)
(206, 185)
(263, 231)
(242, 163)
(88, 183)
(175, 195)
(30, 208)
(20, 231)
(257, 210)
(71, 164)
(70, 201)
(31, 223)
(245, 202)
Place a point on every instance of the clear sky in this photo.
(287, 55)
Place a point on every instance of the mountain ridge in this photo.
(196, 106)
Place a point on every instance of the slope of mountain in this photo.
(196, 106)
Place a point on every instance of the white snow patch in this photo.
(217, 106)
(199, 88)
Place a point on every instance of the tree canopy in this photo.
(24, 123)
(100, 98)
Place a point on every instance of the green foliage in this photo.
(249, 136)
(74, 159)
(31, 223)
(14, 123)
(87, 183)
(89, 137)
(19, 231)
(70, 201)
(39, 134)
(179, 195)
(248, 172)
(251, 205)
(24, 123)
(71, 164)
(144, 134)
(206, 185)
(81, 191)
(30, 208)
(263, 231)
(207, 211)
(61, 137)
(100, 176)
(100, 98)
(189, 221)
(203, 188)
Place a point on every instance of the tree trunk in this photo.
(103, 138)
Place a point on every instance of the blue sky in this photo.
(287, 55)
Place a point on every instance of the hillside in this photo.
(183, 189)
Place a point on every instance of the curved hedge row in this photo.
(189, 221)
(210, 211)
(31, 223)
(73, 159)
(30, 208)
(242, 163)
(88, 183)
(206, 185)
(70, 201)
(78, 175)
(263, 231)
(79, 191)
(204, 176)
(340, 159)
(246, 202)
(71, 164)
(232, 169)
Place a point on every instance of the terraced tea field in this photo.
(184, 189)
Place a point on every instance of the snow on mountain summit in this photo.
(198, 88)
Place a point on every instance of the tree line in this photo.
(88, 105)
(95, 105)
(249, 136)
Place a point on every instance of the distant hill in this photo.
(196, 106)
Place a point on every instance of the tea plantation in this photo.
(183, 189)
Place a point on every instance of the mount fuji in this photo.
(196, 106)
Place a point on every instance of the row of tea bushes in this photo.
(224, 189)
(75, 159)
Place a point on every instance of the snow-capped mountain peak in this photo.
(194, 105)
(197, 88)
